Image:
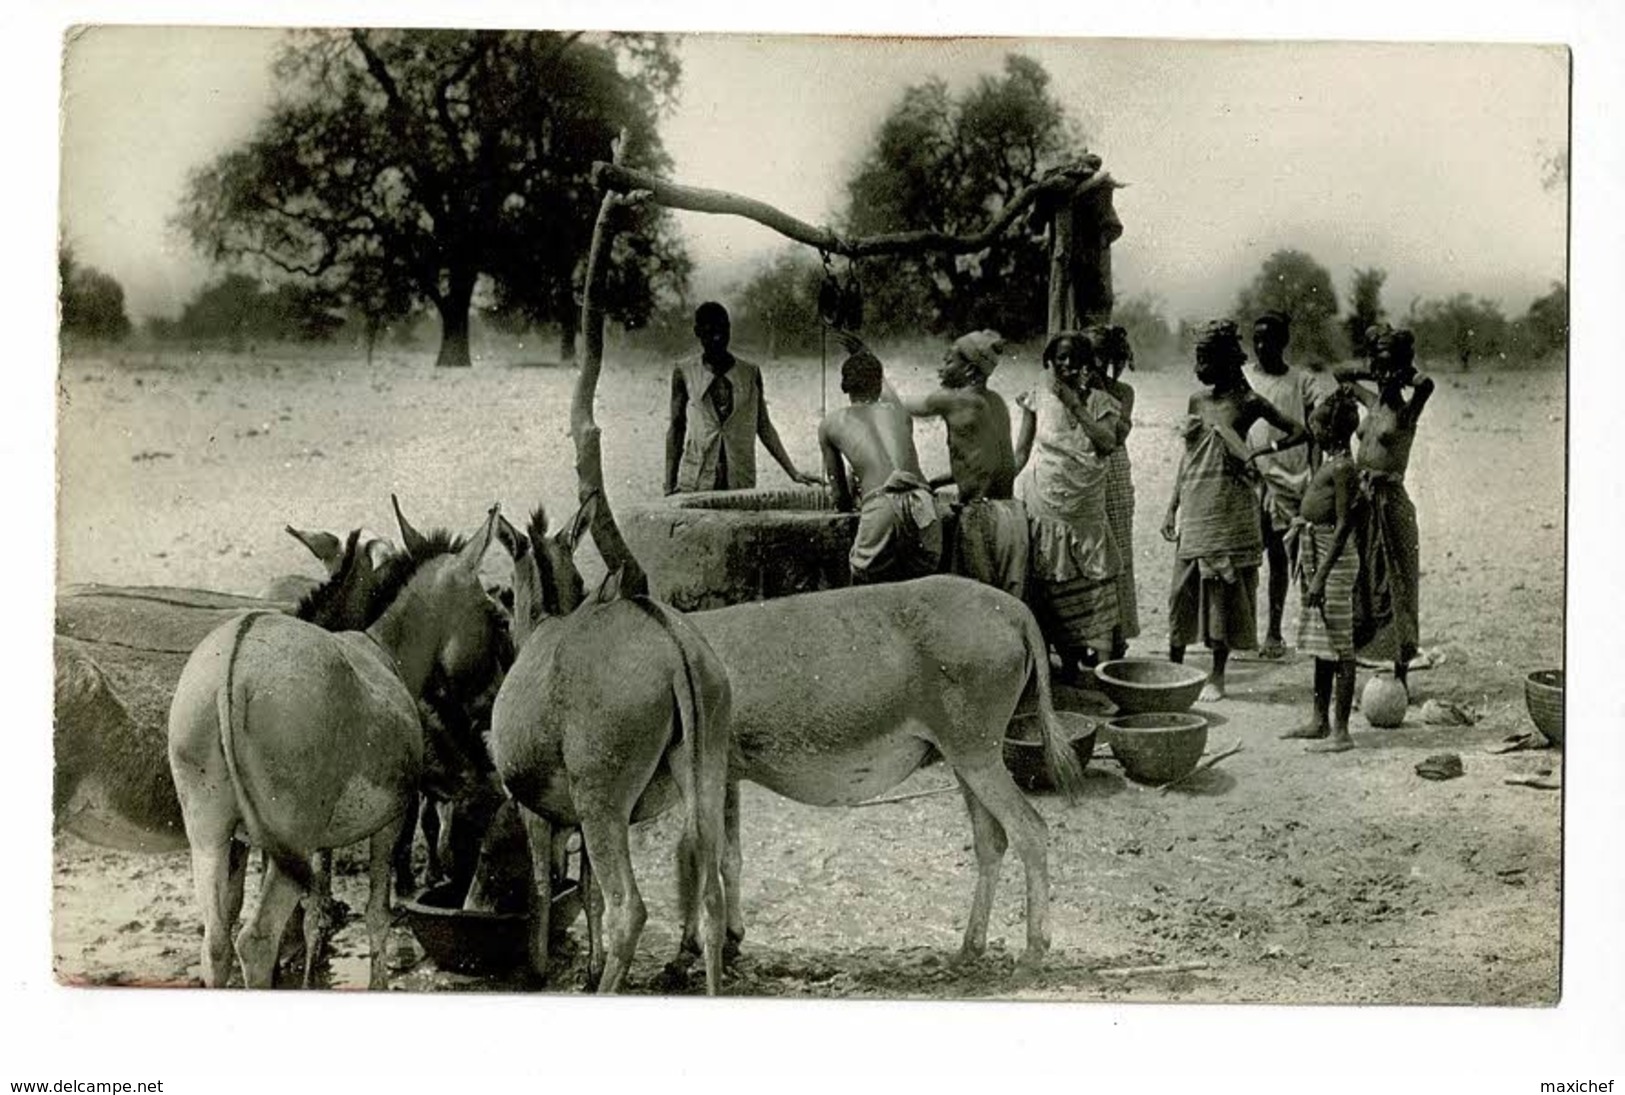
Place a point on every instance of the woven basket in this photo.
(1543, 692)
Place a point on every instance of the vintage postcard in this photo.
(908, 519)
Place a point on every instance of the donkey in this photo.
(613, 709)
(111, 783)
(838, 696)
(311, 740)
(329, 550)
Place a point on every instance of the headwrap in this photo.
(980, 350)
(1218, 340)
(1110, 344)
(1383, 341)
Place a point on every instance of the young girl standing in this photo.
(1326, 568)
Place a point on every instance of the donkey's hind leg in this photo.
(990, 782)
(318, 909)
(990, 842)
(689, 881)
(381, 850)
(733, 864)
(605, 834)
(592, 907)
(261, 938)
(220, 898)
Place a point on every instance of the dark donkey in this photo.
(841, 695)
(310, 740)
(615, 709)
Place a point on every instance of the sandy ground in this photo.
(1292, 878)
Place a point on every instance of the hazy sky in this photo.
(1424, 160)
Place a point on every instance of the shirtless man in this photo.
(1387, 597)
(899, 536)
(990, 537)
(1213, 514)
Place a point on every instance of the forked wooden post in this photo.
(584, 431)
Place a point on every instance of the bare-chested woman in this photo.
(1387, 599)
(1213, 514)
(899, 536)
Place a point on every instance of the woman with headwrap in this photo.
(1113, 353)
(1213, 514)
(1068, 429)
(1388, 597)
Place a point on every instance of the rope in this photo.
(823, 371)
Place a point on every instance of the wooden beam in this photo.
(1073, 179)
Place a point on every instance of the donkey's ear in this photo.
(569, 536)
(512, 538)
(474, 551)
(411, 538)
(324, 545)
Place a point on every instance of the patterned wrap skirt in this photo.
(1327, 631)
(1120, 515)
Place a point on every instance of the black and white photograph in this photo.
(1029, 519)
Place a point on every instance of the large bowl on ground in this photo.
(480, 943)
(1143, 685)
(1024, 746)
(1159, 746)
(1543, 693)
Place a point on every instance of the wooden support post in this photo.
(584, 431)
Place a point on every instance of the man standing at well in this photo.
(718, 410)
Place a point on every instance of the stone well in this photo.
(716, 548)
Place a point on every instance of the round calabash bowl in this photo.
(1157, 747)
(478, 943)
(1143, 685)
(1543, 693)
(1024, 747)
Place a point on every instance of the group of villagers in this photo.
(1269, 471)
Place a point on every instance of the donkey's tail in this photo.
(1062, 762)
(291, 863)
(694, 721)
(705, 782)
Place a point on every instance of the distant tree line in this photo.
(1460, 328)
(238, 309)
(448, 173)
(92, 302)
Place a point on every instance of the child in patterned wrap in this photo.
(1326, 568)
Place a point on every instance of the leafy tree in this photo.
(92, 302)
(951, 164)
(1545, 327)
(1292, 282)
(1461, 327)
(1153, 340)
(1366, 301)
(400, 165)
(778, 306)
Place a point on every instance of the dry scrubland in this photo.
(1294, 878)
